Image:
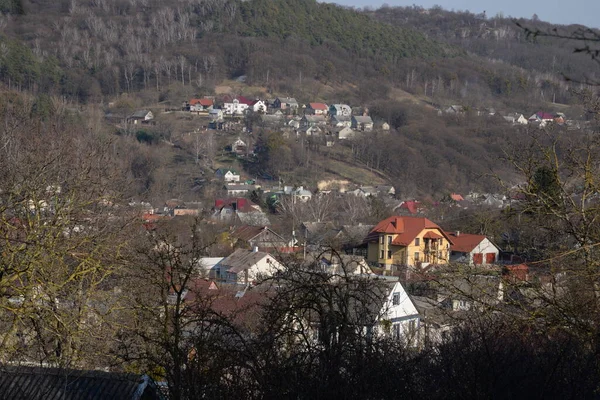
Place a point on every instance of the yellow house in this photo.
(407, 241)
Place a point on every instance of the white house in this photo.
(472, 249)
(340, 110)
(235, 107)
(142, 116)
(516, 118)
(247, 267)
(399, 316)
(302, 194)
(258, 106)
(341, 121)
(216, 114)
(228, 175)
(345, 133)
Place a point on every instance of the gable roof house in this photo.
(228, 175)
(285, 103)
(258, 106)
(239, 147)
(362, 123)
(197, 105)
(236, 106)
(472, 249)
(262, 238)
(339, 110)
(313, 120)
(141, 117)
(516, 118)
(316, 109)
(246, 267)
(341, 121)
(216, 115)
(344, 133)
(401, 241)
(400, 316)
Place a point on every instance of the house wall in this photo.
(402, 318)
(265, 267)
(405, 255)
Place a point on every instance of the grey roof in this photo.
(241, 260)
(254, 218)
(315, 118)
(140, 114)
(363, 119)
(33, 383)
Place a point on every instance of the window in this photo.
(381, 239)
(396, 331)
(381, 254)
(396, 299)
(417, 241)
(389, 239)
(417, 256)
(389, 255)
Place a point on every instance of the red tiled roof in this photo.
(544, 115)
(456, 197)
(318, 106)
(464, 242)
(202, 102)
(431, 235)
(406, 229)
(243, 204)
(244, 100)
(412, 206)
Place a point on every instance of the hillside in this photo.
(399, 64)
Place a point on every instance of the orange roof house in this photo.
(472, 249)
(407, 241)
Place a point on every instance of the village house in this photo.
(227, 175)
(516, 119)
(472, 249)
(344, 133)
(216, 115)
(140, 117)
(243, 189)
(313, 120)
(247, 267)
(239, 147)
(362, 123)
(258, 106)
(198, 105)
(407, 241)
(341, 121)
(236, 106)
(316, 109)
(262, 238)
(399, 316)
(340, 110)
(286, 103)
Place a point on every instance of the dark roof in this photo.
(32, 383)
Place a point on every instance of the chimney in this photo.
(457, 233)
(255, 249)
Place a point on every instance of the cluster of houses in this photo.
(396, 251)
(312, 119)
(539, 119)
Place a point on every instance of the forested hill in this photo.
(89, 51)
(107, 47)
(497, 37)
(326, 23)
